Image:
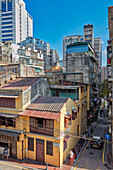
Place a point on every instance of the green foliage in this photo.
(104, 90)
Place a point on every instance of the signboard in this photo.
(107, 136)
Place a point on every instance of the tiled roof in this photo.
(53, 104)
(40, 114)
(20, 83)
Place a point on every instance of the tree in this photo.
(104, 90)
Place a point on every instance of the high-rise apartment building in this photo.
(15, 24)
(69, 40)
(98, 50)
(88, 34)
(37, 44)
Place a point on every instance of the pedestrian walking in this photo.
(74, 151)
(71, 157)
(5, 153)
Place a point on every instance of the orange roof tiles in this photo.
(40, 114)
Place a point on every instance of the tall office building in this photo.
(15, 22)
(98, 50)
(88, 34)
(69, 40)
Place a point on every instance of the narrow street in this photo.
(10, 166)
(92, 158)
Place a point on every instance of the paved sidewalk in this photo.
(66, 165)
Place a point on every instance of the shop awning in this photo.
(8, 115)
(9, 133)
(40, 114)
(66, 138)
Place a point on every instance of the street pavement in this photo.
(92, 158)
(10, 166)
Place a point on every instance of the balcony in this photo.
(42, 126)
(42, 130)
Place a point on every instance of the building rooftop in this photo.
(77, 44)
(20, 83)
(63, 87)
(73, 36)
(51, 104)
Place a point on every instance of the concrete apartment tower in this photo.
(15, 24)
(89, 34)
(69, 40)
(98, 50)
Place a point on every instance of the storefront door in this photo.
(13, 149)
(40, 150)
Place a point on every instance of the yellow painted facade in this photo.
(77, 127)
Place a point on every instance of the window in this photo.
(3, 6)
(49, 148)
(88, 41)
(7, 31)
(9, 4)
(65, 145)
(68, 40)
(2, 120)
(78, 109)
(6, 14)
(69, 121)
(74, 114)
(9, 39)
(6, 18)
(65, 40)
(7, 102)
(49, 124)
(3, 23)
(90, 35)
(66, 122)
(8, 122)
(7, 35)
(7, 27)
(31, 144)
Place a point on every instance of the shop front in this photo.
(8, 139)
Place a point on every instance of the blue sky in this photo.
(54, 19)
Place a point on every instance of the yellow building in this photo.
(53, 124)
(45, 130)
(50, 129)
(15, 96)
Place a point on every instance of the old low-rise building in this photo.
(15, 96)
(51, 125)
(79, 93)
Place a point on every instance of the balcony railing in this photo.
(42, 130)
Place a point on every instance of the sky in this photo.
(54, 19)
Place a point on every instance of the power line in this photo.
(58, 130)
